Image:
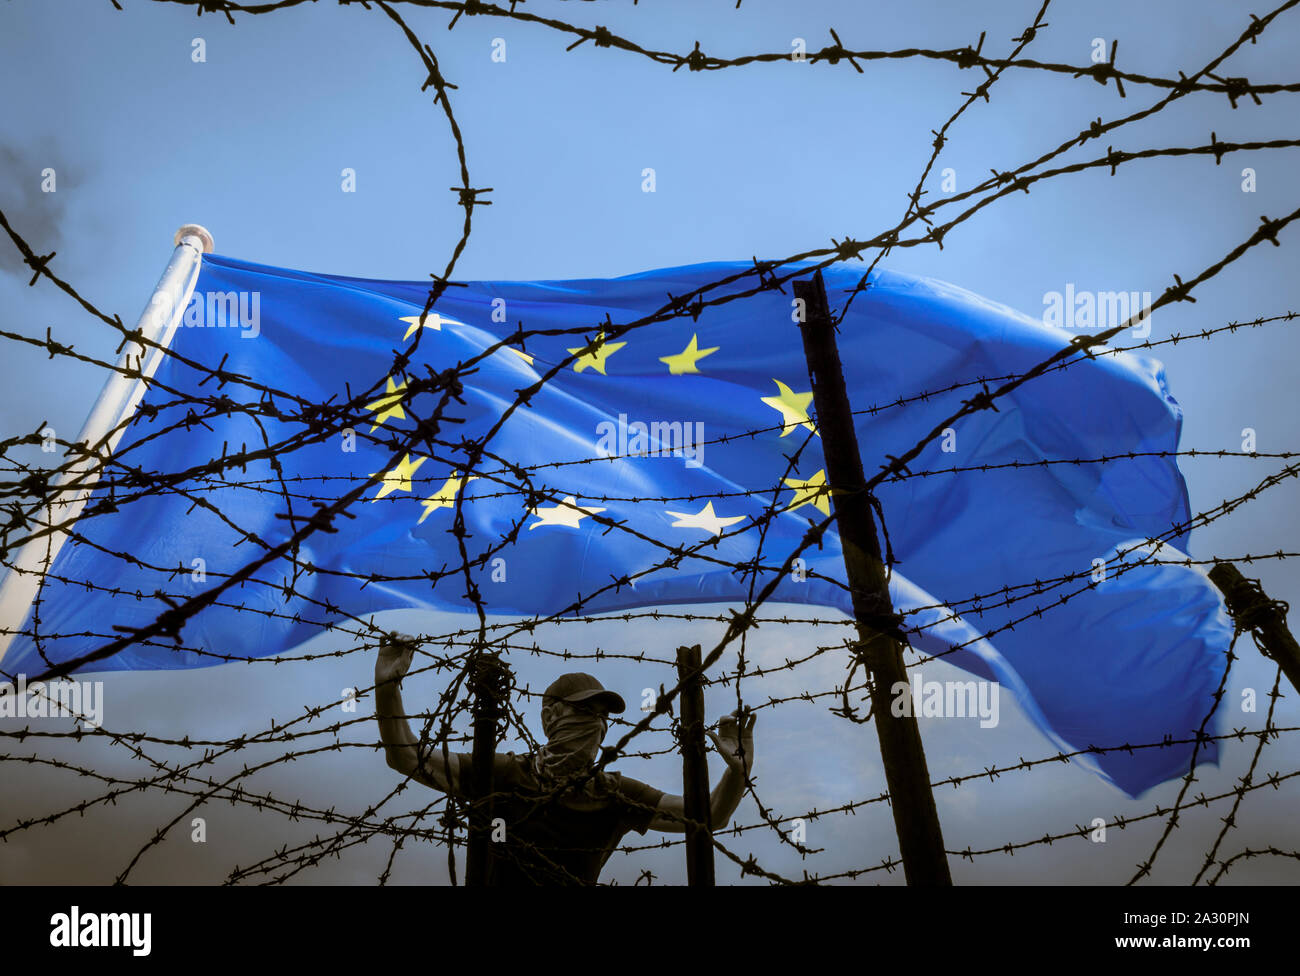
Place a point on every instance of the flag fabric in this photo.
(681, 432)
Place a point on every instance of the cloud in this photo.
(37, 216)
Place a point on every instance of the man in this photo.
(561, 820)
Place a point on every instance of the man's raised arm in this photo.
(734, 730)
(401, 747)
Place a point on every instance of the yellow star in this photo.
(596, 354)
(567, 514)
(399, 479)
(813, 491)
(521, 354)
(792, 406)
(684, 361)
(389, 405)
(704, 519)
(445, 497)
(431, 321)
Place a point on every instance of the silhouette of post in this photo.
(695, 770)
(879, 646)
(1252, 609)
(490, 683)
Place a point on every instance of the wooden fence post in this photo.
(695, 770)
(916, 818)
(490, 683)
(1253, 610)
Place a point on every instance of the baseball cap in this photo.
(578, 686)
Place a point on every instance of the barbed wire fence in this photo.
(314, 504)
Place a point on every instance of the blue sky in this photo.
(764, 160)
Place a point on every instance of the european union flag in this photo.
(681, 433)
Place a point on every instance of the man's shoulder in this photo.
(508, 769)
(508, 763)
(511, 769)
(520, 761)
(501, 759)
(634, 789)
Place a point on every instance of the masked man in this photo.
(561, 820)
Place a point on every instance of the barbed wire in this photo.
(316, 502)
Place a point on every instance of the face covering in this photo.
(572, 743)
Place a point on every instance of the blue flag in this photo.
(681, 432)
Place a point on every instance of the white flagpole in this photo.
(104, 427)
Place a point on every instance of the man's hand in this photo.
(401, 747)
(734, 731)
(395, 652)
(735, 734)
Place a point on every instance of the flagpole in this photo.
(103, 428)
